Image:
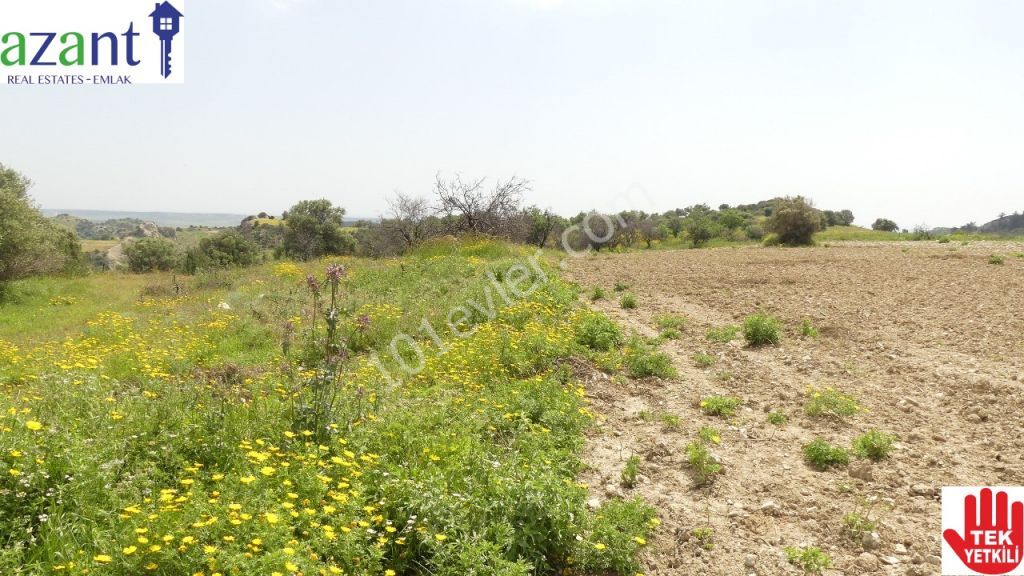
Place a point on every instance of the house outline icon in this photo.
(166, 24)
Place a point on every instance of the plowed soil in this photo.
(928, 337)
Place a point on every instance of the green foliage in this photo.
(29, 243)
(705, 537)
(807, 329)
(226, 249)
(699, 228)
(151, 254)
(884, 225)
(671, 421)
(857, 525)
(671, 334)
(794, 220)
(761, 329)
(723, 334)
(823, 455)
(613, 536)
(314, 228)
(597, 294)
(643, 361)
(630, 471)
(830, 402)
(597, 332)
(628, 301)
(703, 360)
(811, 560)
(777, 418)
(723, 406)
(621, 287)
(996, 259)
(873, 444)
(669, 321)
(703, 464)
(710, 434)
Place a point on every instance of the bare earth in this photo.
(928, 337)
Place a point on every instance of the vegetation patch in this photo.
(762, 329)
(829, 402)
(874, 444)
(723, 334)
(811, 560)
(822, 455)
(723, 406)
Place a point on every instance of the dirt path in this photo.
(929, 338)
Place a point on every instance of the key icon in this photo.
(166, 23)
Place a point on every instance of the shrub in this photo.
(314, 228)
(628, 301)
(777, 418)
(614, 535)
(811, 559)
(823, 455)
(704, 465)
(944, 240)
(224, 250)
(630, 471)
(996, 259)
(705, 536)
(723, 334)
(642, 362)
(761, 329)
(807, 330)
(597, 294)
(771, 240)
(703, 360)
(795, 221)
(873, 444)
(723, 406)
(150, 254)
(884, 225)
(830, 402)
(667, 321)
(597, 332)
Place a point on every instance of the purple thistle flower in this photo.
(335, 272)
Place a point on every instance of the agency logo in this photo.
(69, 42)
(983, 531)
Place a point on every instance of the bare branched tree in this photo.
(469, 207)
(408, 217)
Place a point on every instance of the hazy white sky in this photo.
(912, 110)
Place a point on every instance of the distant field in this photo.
(839, 233)
(101, 245)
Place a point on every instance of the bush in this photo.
(795, 221)
(628, 301)
(597, 332)
(223, 250)
(761, 329)
(642, 362)
(823, 455)
(830, 402)
(597, 294)
(314, 228)
(150, 254)
(724, 406)
(884, 225)
(873, 444)
(996, 259)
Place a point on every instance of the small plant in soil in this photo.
(723, 406)
(724, 376)
(628, 301)
(703, 464)
(857, 525)
(705, 537)
(641, 361)
(621, 287)
(630, 471)
(671, 334)
(703, 360)
(996, 259)
(723, 334)
(822, 455)
(777, 418)
(873, 444)
(761, 329)
(1018, 254)
(666, 321)
(644, 416)
(597, 332)
(807, 330)
(830, 402)
(597, 294)
(710, 434)
(670, 420)
(811, 560)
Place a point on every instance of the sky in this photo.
(909, 110)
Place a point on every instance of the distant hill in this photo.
(172, 219)
(1009, 224)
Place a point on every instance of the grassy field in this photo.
(217, 429)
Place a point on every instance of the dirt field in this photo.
(928, 337)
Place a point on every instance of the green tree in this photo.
(698, 227)
(151, 254)
(885, 225)
(223, 250)
(30, 243)
(314, 228)
(794, 220)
